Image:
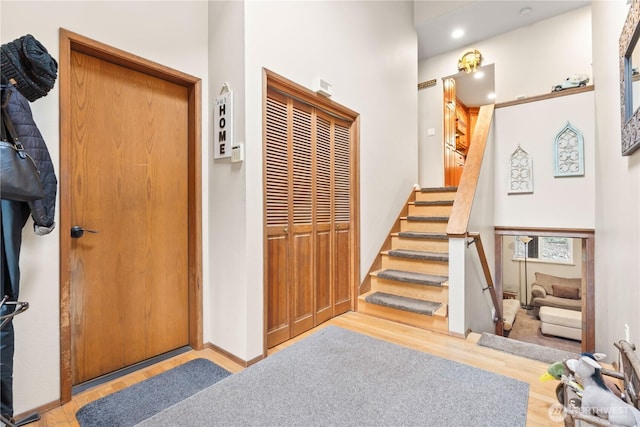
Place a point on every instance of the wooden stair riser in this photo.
(435, 196)
(429, 210)
(429, 226)
(431, 323)
(426, 245)
(424, 292)
(437, 268)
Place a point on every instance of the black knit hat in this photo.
(26, 63)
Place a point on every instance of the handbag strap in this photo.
(3, 131)
(11, 134)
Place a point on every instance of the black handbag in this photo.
(19, 175)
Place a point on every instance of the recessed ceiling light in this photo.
(478, 75)
(457, 33)
(491, 96)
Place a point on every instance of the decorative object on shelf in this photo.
(629, 111)
(575, 80)
(568, 151)
(520, 172)
(525, 240)
(470, 61)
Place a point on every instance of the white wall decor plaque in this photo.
(520, 172)
(568, 152)
(223, 125)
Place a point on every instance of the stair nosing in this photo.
(427, 280)
(433, 203)
(427, 312)
(420, 218)
(421, 235)
(437, 189)
(419, 255)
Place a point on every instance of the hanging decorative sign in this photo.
(223, 124)
(568, 150)
(520, 172)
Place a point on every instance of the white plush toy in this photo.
(597, 398)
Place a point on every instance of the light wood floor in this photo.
(541, 394)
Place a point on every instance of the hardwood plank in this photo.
(541, 394)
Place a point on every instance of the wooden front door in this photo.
(310, 198)
(129, 192)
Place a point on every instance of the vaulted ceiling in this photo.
(481, 20)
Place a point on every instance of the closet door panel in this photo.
(342, 217)
(301, 285)
(323, 275)
(342, 284)
(302, 277)
(323, 216)
(277, 293)
(277, 189)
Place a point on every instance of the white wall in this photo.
(367, 51)
(226, 298)
(617, 239)
(566, 202)
(528, 61)
(147, 29)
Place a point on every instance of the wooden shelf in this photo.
(546, 96)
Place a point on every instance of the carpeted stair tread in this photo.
(421, 255)
(422, 235)
(433, 203)
(427, 218)
(404, 303)
(410, 277)
(437, 189)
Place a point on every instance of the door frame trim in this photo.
(587, 260)
(70, 41)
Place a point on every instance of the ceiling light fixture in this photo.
(457, 33)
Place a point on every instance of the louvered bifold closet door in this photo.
(301, 237)
(342, 210)
(277, 189)
(309, 269)
(324, 215)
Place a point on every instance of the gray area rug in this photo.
(337, 377)
(133, 404)
(524, 349)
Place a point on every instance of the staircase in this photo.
(411, 287)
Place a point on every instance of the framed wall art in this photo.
(520, 172)
(568, 152)
(629, 62)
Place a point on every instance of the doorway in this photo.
(583, 242)
(463, 95)
(130, 210)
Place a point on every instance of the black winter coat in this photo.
(43, 210)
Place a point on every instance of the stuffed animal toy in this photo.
(558, 371)
(597, 399)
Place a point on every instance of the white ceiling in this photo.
(481, 20)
